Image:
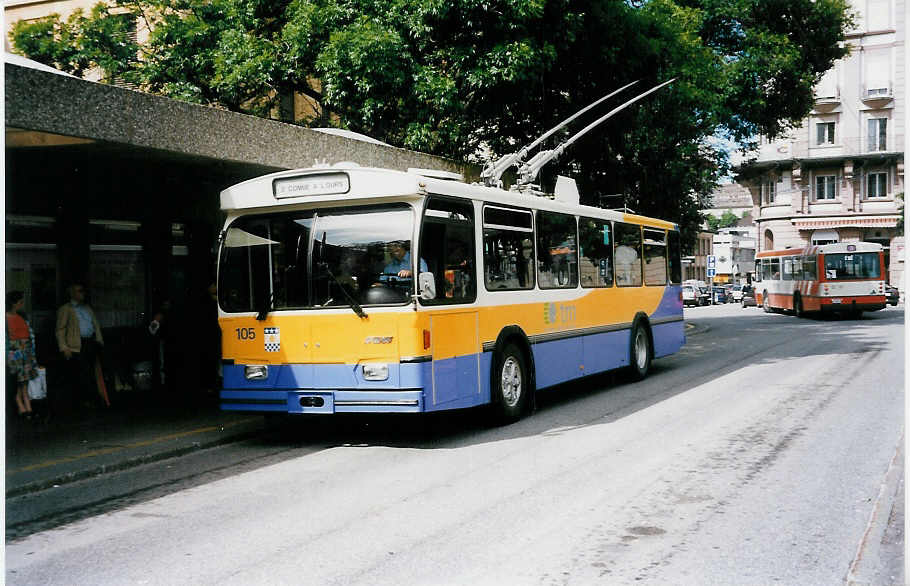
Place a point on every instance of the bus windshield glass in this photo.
(317, 258)
(855, 265)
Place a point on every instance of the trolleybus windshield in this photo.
(852, 265)
(303, 259)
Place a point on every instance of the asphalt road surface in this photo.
(769, 451)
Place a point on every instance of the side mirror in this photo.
(426, 284)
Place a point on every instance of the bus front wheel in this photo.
(511, 384)
(640, 352)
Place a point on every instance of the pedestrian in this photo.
(80, 341)
(21, 357)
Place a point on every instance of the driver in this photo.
(399, 268)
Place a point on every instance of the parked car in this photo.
(737, 293)
(719, 295)
(704, 297)
(748, 296)
(689, 296)
(892, 295)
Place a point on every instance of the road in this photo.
(768, 451)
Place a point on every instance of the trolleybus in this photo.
(843, 277)
(350, 289)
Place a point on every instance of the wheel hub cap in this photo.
(511, 382)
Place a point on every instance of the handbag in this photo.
(37, 387)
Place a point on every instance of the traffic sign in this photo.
(712, 261)
(711, 272)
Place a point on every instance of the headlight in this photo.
(256, 372)
(375, 371)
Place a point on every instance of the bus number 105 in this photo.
(246, 333)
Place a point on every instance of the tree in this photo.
(726, 220)
(452, 77)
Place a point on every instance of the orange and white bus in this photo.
(846, 277)
(350, 289)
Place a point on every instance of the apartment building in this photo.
(839, 177)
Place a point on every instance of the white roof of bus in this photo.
(834, 248)
(366, 183)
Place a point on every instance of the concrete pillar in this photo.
(72, 240)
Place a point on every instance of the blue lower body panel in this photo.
(415, 387)
(669, 338)
(340, 388)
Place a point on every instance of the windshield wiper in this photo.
(354, 305)
(266, 307)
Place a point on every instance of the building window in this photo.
(877, 185)
(877, 73)
(825, 187)
(820, 237)
(878, 134)
(878, 15)
(824, 133)
(769, 240)
(768, 191)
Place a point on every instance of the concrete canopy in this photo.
(129, 123)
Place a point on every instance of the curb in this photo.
(868, 559)
(100, 469)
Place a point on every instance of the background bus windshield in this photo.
(856, 265)
(315, 259)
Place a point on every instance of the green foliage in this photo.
(451, 77)
(726, 220)
(80, 43)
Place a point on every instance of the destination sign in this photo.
(307, 185)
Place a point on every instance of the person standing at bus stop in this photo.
(80, 341)
(20, 350)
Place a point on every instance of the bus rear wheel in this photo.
(640, 351)
(511, 385)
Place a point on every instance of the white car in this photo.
(737, 293)
(690, 297)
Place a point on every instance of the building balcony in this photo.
(877, 97)
(857, 148)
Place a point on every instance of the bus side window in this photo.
(447, 246)
(810, 268)
(774, 269)
(557, 253)
(627, 252)
(508, 248)
(596, 252)
(673, 256)
(655, 257)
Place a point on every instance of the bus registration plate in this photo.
(836, 300)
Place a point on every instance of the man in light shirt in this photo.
(79, 340)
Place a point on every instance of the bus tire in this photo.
(640, 353)
(765, 304)
(511, 384)
(798, 306)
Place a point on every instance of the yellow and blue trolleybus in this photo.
(348, 289)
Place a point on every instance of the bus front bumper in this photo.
(851, 304)
(321, 401)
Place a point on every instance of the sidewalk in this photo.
(42, 454)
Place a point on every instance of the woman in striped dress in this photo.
(20, 350)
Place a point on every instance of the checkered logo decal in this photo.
(272, 337)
